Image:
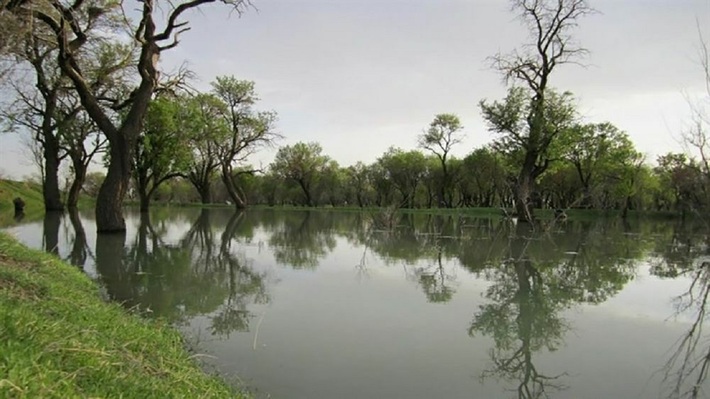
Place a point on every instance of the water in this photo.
(299, 304)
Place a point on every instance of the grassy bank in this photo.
(58, 339)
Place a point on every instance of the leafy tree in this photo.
(443, 133)
(531, 118)
(70, 27)
(207, 131)
(682, 179)
(50, 110)
(358, 180)
(405, 171)
(303, 164)
(161, 150)
(249, 130)
(486, 181)
(595, 151)
(331, 184)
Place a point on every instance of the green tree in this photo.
(358, 181)
(532, 117)
(207, 131)
(443, 133)
(303, 164)
(161, 150)
(70, 27)
(595, 151)
(249, 130)
(404, 170)
(486, 181)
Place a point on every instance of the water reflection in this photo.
(217, 269)
(79, 246)
(50, 231)
(687, 254)
(530, 290)
(302, 238)
(196, 275)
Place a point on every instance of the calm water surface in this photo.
(299, 304)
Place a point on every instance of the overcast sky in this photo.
(359, 76)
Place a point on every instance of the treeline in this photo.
(85, 83)
(302, 175)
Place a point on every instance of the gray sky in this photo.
(360, 76)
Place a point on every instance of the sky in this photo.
(359, 76)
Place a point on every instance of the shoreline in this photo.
(60, 339)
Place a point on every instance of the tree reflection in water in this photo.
(302, 239)
(688, 254)
(50, 231)
(175, 281)
(79, 246)
(531, 286)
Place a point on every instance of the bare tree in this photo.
(551, 44)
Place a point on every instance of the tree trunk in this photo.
(144, 199)
(205, 194)
(77, 184)
(109, 202)
(50, 184)
(203, 187)
(232, 189)
(306, 193)
(522, 199)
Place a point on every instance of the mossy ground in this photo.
(58, 339)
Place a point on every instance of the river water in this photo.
(328, 304)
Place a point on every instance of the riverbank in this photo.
(59, 339)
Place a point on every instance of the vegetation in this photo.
(95, 90)
(60, 340)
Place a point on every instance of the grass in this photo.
(58, 339)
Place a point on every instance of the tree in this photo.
(81, 142)
(405, 171)
(161, 150)
(549, 23)
(70, 25)
(249, 130)
(488, 185)
(207, 131)
(595, 150)
(443, 133)
(529, 146)
(358, 181)
(301, 163)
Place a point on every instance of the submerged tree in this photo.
(534, 131)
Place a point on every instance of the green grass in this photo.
(58, 339)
